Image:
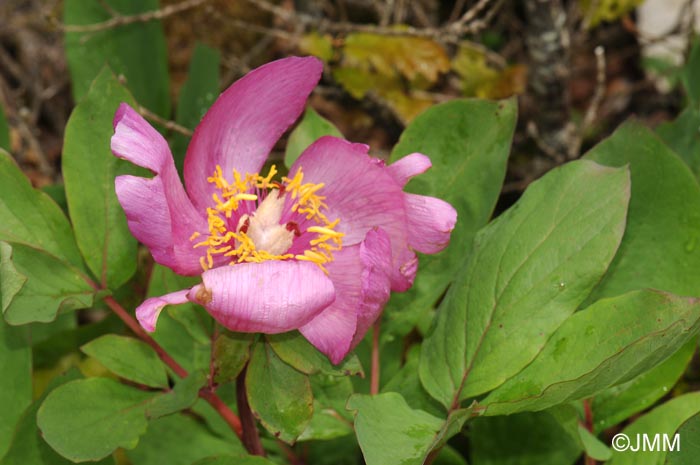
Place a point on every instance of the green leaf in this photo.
(16, 379)
(89, 169)
(135, 51)
(30, 217)
(621, 402)
(28, 447)
(330, 419)
(37, 286)
(296, 351)
(521, 439)
(180, 440)
(231, 353)
(392, 433)
(560, 374)
(683, 136)
(88, 419)
(407, 383)
(278, 395)
(689, 438)
(129, 358)
(665, 419)
(184, 331)
(198, 93)
(4, 131)
(529, 270)
(229, 460)
(691, 75)
(311, 127)
(468, 142)
(661, 245)
(594, 447)
(182, 396)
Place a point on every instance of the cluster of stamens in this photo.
(258, 236)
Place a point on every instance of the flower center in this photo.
(255, 219)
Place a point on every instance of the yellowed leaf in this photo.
(480, 79)
(596, 11)
(317, 45)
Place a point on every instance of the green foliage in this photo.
(4, 131)
(198, 93)
(128, 358)
(16, 380)
(88, 419)
(311, 127)
(89, 169)
(297, 352)
(665, 419)
(559, 374)
(597, 11)
(468, 142)
(279, 395)
(330, 418)
(135, 51)
(689, 438)
(525, 276)
(37, 286)
(231, 354)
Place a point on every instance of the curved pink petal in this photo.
(360, 192)
(403, 169)
(360, 274)
(158, 211)
(243, 125)
(430, 222)
(268, 297)
(147, 313)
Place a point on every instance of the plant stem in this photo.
(374, 374)
(250, 438)
(588, 413)
(207, 394)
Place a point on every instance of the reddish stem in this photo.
(374, 374)
(588, 418)
(207, 394)
(251, 438)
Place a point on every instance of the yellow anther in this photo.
(194, 235)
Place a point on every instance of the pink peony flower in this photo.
(317, 251)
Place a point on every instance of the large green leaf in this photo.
(16, 379)
(180, 440)
(30, 217)
(689, 440)
(129, 358)
(198, 92)
(88, 419)
(297, 352)
(279, 395)
(37, 286)
(468, 142)
(311, 127)
(89, 169)
(683, 136)
(229, 460)
(621, 402)
(661, 245)
(390, 432)
(663, 420)
(617, 343)
(135, 51)
(330, 419)
(691, 75)
(529, 270)
(521, 439)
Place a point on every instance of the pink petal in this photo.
(242, 126)
(430, 222)
(147, 313)
(158, 211)
(268, 297)
(405, 168)
(361, 193)
(360, 274)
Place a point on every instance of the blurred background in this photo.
(577, 67)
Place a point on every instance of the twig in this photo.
(206, 393)
(250, 438)
(596, 100)
(168, 124)
(122, 20)
(450, 32)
